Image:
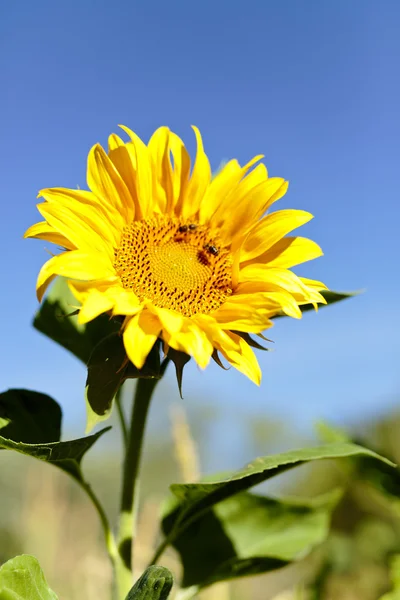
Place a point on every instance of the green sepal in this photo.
(249, 534)
(155, 584)
(251, 342)
(30, 417)
(216, 358)
(180, 360)
(21, 578)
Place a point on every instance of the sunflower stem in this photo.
(121, 416)
(130, 482)
(108, 534)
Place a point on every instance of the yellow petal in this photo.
(199, 181)
(313, 284)
(290, 251)
(281, 279)
(140, 335)
(159, 148)
(44, 231)
(125, 302)
(218, 196)
(95, 304)
(124, 159)
(104, 215)
(72, 264)
(85, 234)
(143, 173)
(270, 230)
(119, 300)
(241, 313)
(181, 170)
(242, 358)
(192, 340)
(105, 181)
(260, 293)
(171, 320)
(248, 208)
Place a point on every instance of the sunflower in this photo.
(193, 259)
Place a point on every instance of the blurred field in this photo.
(44, 513)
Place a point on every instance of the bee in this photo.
(185, 228)
(212, 249)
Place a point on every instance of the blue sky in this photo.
(313, 85)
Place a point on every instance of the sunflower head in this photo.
(198, 261)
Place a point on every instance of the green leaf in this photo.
(155, 584)
(108, 368)
(55, 320)
(29, 417)
(330, 296)
(106, 373)
(21, 578)
(65, 455)
(329, 434)
(249, 534)
(197, 498)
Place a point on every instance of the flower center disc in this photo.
(176, 265)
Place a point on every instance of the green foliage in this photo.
(65, 455)
(198, 497)
(155, 584)
(57, 320)
(106, 373)
(108, 368)
(248, 535)
(21, 578)
(36, 416)
(29, 417)
(229, 527)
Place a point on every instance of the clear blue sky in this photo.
(314, 85)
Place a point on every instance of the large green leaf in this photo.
(196, 498)
(29, 417)
(21, 578)
(55, 319)
(330, 296)
(249, 534)
(65, 455)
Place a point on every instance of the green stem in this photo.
(121, 415)
(108, 534)
(130, 483)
